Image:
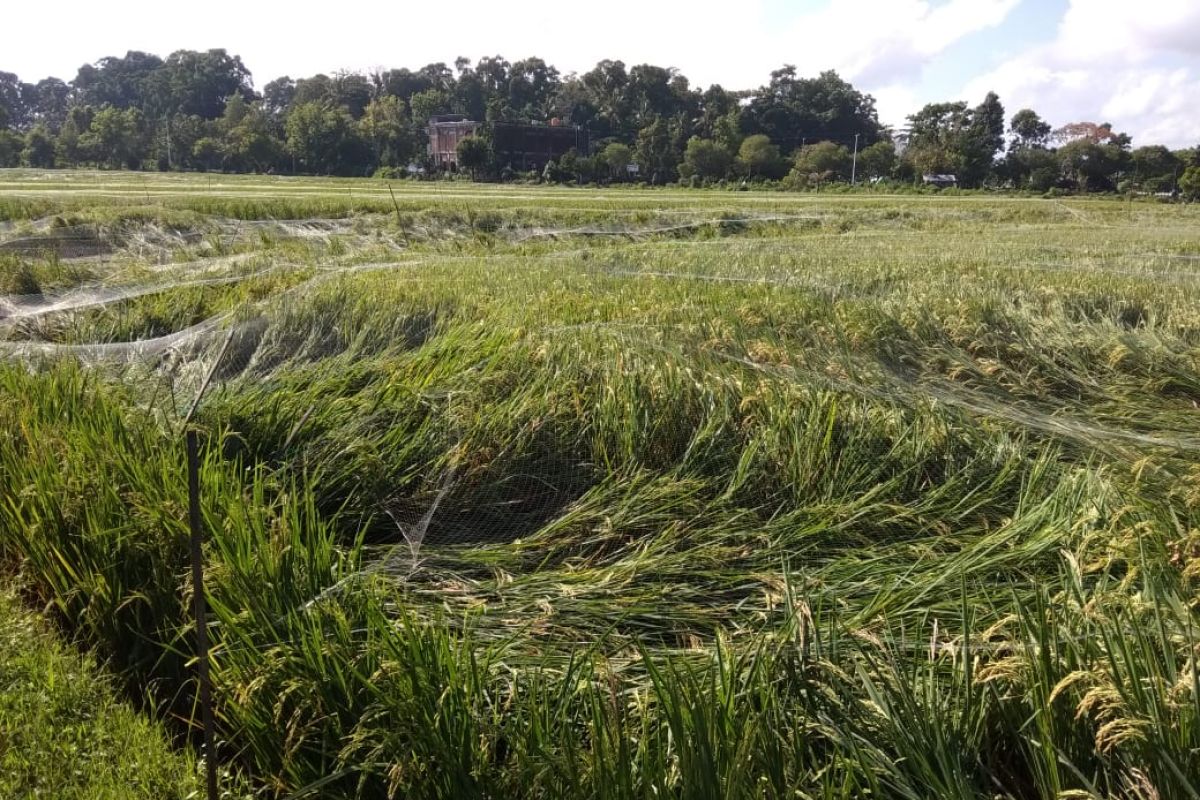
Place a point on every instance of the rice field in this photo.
(557, 492)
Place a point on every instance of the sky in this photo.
(1135, 64)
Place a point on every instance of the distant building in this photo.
(445, 132)
(526, 147)
(519, 146)
(941, 181)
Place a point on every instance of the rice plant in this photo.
(544, 495)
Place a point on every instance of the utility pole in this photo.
(854, 165)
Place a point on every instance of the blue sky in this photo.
(1135, 64)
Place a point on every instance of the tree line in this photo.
(200, 111)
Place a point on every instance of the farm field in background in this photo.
(619, 493)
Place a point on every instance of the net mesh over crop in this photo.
(664, 432)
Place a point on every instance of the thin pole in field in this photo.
(200, 611)
(854, 166)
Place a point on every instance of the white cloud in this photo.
(1107, 64)
(1099, 31)
(895, 102)
(886, 42)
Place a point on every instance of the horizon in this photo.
(1069, 60)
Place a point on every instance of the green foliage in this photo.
(1155, 168)
(474, 155)
(1189, 183)
(617, 157)
(822, 162)
(705, 159)
(758, 156)
(1029, 129)
(877, 160)
(790, 109)
(654, 153)
(63, 733)
(1092, 166)
(115, 138)
(198, 111)
(950, 138)
(196, 83)
(323, 140)
(39, 148)
(10, 148)
(385, 126)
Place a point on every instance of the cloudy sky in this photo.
(1133, 63)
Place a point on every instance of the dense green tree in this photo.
(654, 154)
(278, 96)
(952, 138)
(401, 83)
(11, 145)
(983, 142)
(877, 160)
(317, 138)
(532, 84)
(705, 159)
(574, 104)
(793, 110)
(1029, 164)
(178, 140)
(1189, 183)
(822, 162)
(758, 157)
(1094, 157)
(1031, 167)
(67, 149)
(469, 92)
(1155, 168)
(39, 148)
(120, 82)
(650, 94)
(1028, 129)
(316, 89)
(208, 153)
(250, 144)
(1092, 167)
(474, 155)
(52, 98)
(936, 136)
(116, 138)
(385, 126)
(716, 106)
(606, 86)
(193, 82)
(428, 103)
(492, 75)
(350, 91)
(617, 157)
(13, 95)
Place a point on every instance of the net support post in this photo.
(200, 611)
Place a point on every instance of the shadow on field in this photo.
(70, 242)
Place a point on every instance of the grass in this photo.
(64, 733)
(547, 494)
